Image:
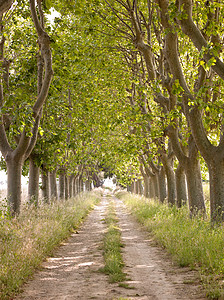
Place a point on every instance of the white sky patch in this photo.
(53, 14)
(108, 182)
(3, 179)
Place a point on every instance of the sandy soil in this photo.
(73, 271)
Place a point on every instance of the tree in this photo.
(204, 97)
(26, 135)
(142, 26)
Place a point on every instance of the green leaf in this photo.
(41, 131)
(48, 4)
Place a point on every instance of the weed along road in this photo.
(75, 270)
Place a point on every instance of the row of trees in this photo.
(173, 50)
(137, 92)
(52, 128)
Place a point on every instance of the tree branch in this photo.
(193, 32)
(44, 42)
(147, 169)
(116, 14)
(5, 5)
(4, 144)
(34, 136)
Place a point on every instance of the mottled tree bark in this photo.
(170, 176)
(181, 190)
(76, 186)
(71, 185)
(140, 187)
(146, 186)
(66, 187)
(216, 178)
(192, 170)
(53, 185)
(5, 5)
(14, 170)
(145, 180)
(62, 185)
(81, 185)
(151, 190)
(161, 178)
(135, 187)
(132, 187)
(45, 187)
(33, 186)
(194, 186)
(88, 184)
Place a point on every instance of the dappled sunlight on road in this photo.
(73, 272)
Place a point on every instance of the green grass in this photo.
(192, 242)
(27, 240)
(112, 247)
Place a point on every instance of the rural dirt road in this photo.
(72, 273)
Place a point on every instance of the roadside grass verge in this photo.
(192, 242)
(27, 240)
(112, 247)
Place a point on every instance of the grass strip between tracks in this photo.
(112, 247)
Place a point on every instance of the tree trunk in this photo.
(136, 187)
(181, 190)
(155, 188)
(88, 185)
(62, 185)
(216, 178)
(33, 186)
(81, 187)
(192, 170)
(161, 178)
(132, 187)
(170, 175)
(96, 180)
(5, 5)
(146, 186)
(53, 185)
(194, 187)
(89, 181)
(151, 189)
(71, 185)
(45, 185)
(76, 186)
(140, 187)
(66, 187)
(14, 191)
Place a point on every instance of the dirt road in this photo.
(73, 271)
